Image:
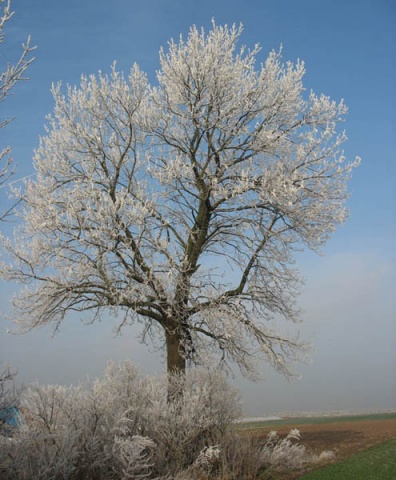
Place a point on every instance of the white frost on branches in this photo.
(182, 204)
(8, 78)
(120, 427)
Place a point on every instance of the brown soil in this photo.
(342, 438)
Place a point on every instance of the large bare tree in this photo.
(181, 205)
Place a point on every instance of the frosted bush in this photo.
(208, 457)
(325, 456)
(135, 456)
(62, 435)
(198, 417)
(283, 453)
(120, 427)
(288, 453)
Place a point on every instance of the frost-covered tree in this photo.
(9, 393)
(8, 78)
(180, 205)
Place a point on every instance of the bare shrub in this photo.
(240, 457)
(245, 456)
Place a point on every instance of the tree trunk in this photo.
(176, 362)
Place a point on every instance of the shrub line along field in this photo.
(344, 435)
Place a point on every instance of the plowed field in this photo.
(344, 438)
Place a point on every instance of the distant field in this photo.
(293, 421)
(376, 463)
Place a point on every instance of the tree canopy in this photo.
(181, 204)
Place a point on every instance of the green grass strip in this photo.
(376, 463)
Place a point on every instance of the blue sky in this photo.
(349, 51)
